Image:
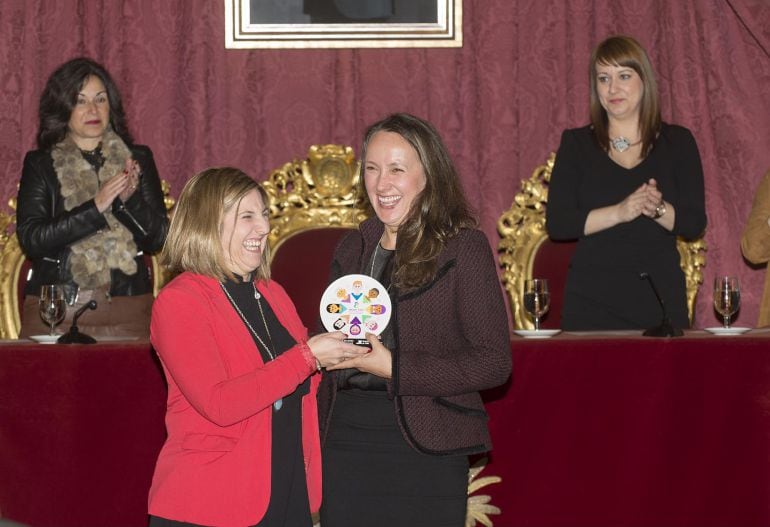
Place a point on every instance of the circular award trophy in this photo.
(356, 304)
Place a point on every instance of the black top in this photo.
(603, 289)
(289, 504)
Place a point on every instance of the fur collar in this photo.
(94, 256)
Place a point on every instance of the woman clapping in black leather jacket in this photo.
(90, 205)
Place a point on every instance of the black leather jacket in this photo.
(46, 230)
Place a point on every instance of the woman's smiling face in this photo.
(394, 177)
(244, 234)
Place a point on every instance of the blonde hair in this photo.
(194, 241)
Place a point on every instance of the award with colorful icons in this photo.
(356, 304)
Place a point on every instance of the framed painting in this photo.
(343, 23)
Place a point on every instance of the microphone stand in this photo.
(74, 336)
(665, 329)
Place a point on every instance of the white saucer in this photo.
(735, 330)
(45, 339)
(537, 334)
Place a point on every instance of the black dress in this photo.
(289, 503)
(603, 289)
(371, 476)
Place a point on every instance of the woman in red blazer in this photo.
(242, 446)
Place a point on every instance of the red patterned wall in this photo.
(501, 101)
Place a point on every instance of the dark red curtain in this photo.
(500, 101)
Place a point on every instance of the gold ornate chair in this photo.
(312, 202)
(525, 251)
(14, 265)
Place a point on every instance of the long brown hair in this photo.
(194, 236)
(627, 52)
(438, 212)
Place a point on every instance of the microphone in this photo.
(665, 329)
(74, 336)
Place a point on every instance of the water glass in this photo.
(53, 306)
(537, 299)
(727, 297)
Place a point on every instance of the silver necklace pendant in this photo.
(257, 296)
(621, 144)
(278, 404)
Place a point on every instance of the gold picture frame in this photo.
(246, 28)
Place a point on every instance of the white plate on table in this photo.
(735, 330)
(45, 339)
(537, 333)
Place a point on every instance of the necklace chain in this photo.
(374, 259)
(374, 256)
(248, 324)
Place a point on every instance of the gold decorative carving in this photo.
(692, 259)
(479, 506)
(320, 191)
(161, 275)
(11, 261)
(522, 231)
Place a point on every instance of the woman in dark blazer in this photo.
(399, 422)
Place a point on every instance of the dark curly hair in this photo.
(438, 212)
(61, 93)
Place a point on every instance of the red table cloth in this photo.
(593, 430)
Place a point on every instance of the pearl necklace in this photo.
(279, 403)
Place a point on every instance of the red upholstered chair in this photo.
(527, 252)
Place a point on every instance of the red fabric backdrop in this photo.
(500, 101)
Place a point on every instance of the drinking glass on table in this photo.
(727, 297)
(53, 306)
(537, 299)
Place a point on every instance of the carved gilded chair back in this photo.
(523, 237)
(13, 262)
(313, 202)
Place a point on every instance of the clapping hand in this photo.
(134, 173)
(123, 185)
(642, 201)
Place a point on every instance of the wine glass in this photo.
(537, 299)
(727, 297)
(53, 306)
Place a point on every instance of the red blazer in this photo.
(214, 468)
